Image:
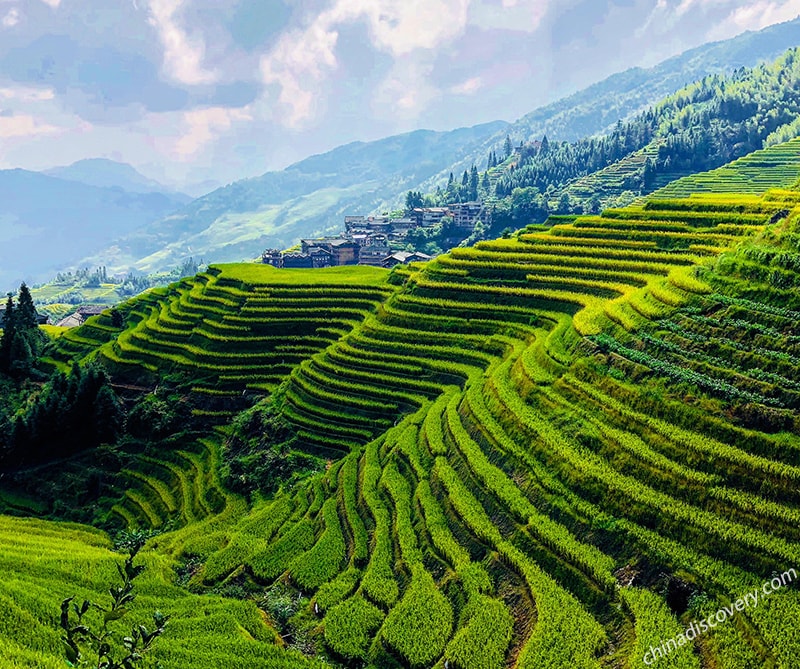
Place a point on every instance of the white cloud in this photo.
(516, 15)
(53, 3)
(24, 125)
(11, 18)
(204, 126)
(295, 64)
(758, 15)
(468, 87)
(26, 94)
(183, 53)
(402, 26)
(681, 7)
(743, 15)
(407, 90)
(754, 15)
(301, 58)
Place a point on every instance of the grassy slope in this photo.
(504, 466)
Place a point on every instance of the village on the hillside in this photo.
(380, 241)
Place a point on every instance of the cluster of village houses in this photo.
(367, 240)
(373, 240)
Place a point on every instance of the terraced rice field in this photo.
(555, 450)
(179, 486)
(230, 330)
(613, 180)
(775, 167)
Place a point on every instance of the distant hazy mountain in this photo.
(48, 222)
(105, 173)
(310, 197)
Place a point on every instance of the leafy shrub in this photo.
(259, 455)
(81, 641)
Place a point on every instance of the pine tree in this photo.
(473, 184)
(465, 179)
(108, 416)
(545, 146)
(508, 146)
(21, 358)
(564, 204)
(9, 330)
(26, 312)
(485, 183)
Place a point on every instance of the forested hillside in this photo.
(702, 126)
(555, 449)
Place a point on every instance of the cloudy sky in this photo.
(196, 90)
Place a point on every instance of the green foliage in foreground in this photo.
(81, 641)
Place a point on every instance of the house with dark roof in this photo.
(343, 251)
(405, 257)
(297, 260)
(272, 257)
(466, 214)
(374, 255)
(80, 316)
(427, 217)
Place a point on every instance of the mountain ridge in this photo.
(277, 200)
(105, 173)
(643, 87)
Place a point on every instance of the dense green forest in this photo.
(703, 126)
